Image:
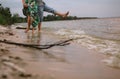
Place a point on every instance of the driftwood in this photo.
(59, 43)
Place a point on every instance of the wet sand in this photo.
(68, 62)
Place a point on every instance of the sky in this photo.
(80, 8)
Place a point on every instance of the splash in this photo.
(108, 47)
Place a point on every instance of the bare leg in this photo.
(57, 13)
(61, 14)
(32, 30)
(39, 26)
(29, 22)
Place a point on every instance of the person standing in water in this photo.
(26, 14)
(30, 10)
(41, 8)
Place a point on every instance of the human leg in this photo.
(51, 10)
(62, 14)
(29, 23)
(33, 30)
(39, 26)
(40, 13)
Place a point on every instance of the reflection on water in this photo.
(101, 35)
(34, 38)
(41, 55)
(107, 47)
(96, 35)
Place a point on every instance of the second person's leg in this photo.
(51, 10)
(40, 12)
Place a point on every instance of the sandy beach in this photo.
(72, 61)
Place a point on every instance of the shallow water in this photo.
(101, 35)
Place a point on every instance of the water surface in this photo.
(99, 35)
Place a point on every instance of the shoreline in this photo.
(69, 62)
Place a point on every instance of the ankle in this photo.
(39, 30)
(26, 30)
(66, 14)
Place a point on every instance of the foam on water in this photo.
(113, 62)
(93, 34)
(107, 47)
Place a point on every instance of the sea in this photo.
(101, 35)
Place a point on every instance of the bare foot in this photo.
(39, 31)
(32, 30)
(26, 30)
(66, 14)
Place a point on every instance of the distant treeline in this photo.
(6, 18)
(5, 15)
(54, 18)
